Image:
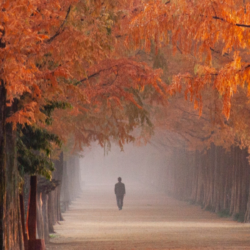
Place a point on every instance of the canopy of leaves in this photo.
(206, 48)
(72, 53)
(202, 29)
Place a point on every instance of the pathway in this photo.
(149, 221)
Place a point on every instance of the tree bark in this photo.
(10, 217)
(2, 165)
(32, 208)
(25, 238)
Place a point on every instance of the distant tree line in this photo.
(217, 179)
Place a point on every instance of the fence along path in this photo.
(149, 221)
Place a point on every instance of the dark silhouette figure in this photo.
(119, 192)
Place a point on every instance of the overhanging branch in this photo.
(61, 28)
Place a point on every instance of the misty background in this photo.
(135, 164)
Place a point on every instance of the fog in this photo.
(160, 179)
(132, 164)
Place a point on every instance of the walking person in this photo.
(119, 192)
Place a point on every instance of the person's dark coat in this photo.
(120, 189)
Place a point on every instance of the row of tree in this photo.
(77, 71)
(217, 179)
(66, 77)
(206, 153)
(55, 196)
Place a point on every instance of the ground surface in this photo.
(148, 221)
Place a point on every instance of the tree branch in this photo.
(60, 30)
(98, 72)
(236, 24)
(95, 74)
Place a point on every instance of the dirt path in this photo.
(149, 221)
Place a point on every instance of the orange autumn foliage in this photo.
(201, 29)
(72, 51)
(117, 91)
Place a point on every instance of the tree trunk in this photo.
(10, 217)
(2, 167)
(25, 238)
(32, 209)
(45, 217)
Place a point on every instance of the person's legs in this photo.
(119, 200)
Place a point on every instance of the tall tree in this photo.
(58, 51)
